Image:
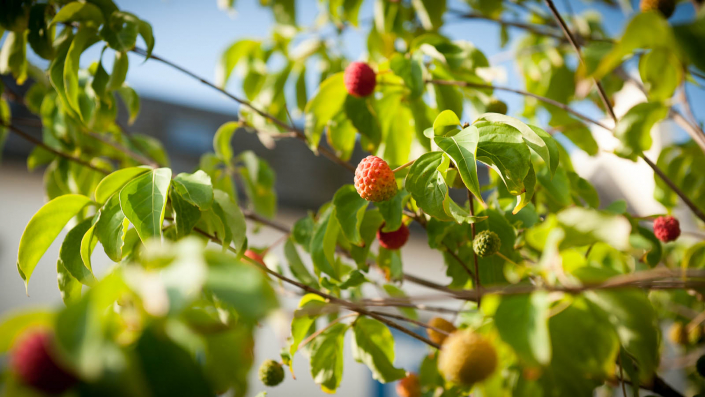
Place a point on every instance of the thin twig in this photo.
(416, 322)
(41, 144)
(524, 93)
(401, 167)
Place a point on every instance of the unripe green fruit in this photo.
(466, 358)
(665, 7)
(271, 373)
(496, 106)
(486, 243)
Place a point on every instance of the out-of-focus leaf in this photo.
(373, 345)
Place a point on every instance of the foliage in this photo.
(569, 301)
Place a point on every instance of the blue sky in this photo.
(194, 33)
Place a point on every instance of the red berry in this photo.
(409, 386)
(34, 363)
(666, 228)
(255, 257)
(393, 240)
(360, 79)
(374, 180)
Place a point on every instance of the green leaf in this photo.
(115, 181)
(132, 101)
(694, 256)
(41, 36)
(634, 128)
(327, 357)
(645, 30)
(373, 345)
(392, 210)
(151, 147)
(145, 30)
(43, 228)
(245, 287)
(633, 317)
(195, 188)
(84, 38)
(323, 242)
(231, 57)
(427, 186)
(233, 219)
(120, 31)
(309, 309)
(430, 12)
(690, 37)
(371, 222)
(14, 325)
(462, 149)
(411, 71)
(13, 57)
(522, 322)
(119, 72)
(259, 184)
(536, 139)
(143, 201)
(69, 287)
(502, 148)
(578, 368)
(524, 199)
(583, 190)
(449, 97)
(168, 369)
(186, 215)
(75, 11)
(221, 141)
(70, 253)
(229, 360)
(88, 243)
(585, 226)
(446, 123)
(365, 121)
(303, 230)
(111, 228)
(558, 187)
(349, 210)
(324, 105)
(661, 72)
(296, 265)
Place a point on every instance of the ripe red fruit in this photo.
(34, 363)
(393, 240)
(360, 79)
(409, 386)
(374, 180)
(255, 257)
(666, 228)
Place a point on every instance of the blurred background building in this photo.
(185, 114)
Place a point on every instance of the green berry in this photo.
(486, 243)
(271, 373)
(496, 106)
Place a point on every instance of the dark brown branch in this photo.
(41, 144)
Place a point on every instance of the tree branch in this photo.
(41, 144)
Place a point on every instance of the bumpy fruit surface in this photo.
(393, 240)
(360, 79)
(374, 180)
(255, 257)
(440, 323)
(466, 358)
(409, 386)
(496, 106)
(271, 373)
(665, 7)
(486, 243)
(35, 364)
(667, 228)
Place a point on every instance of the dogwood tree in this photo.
(564, 294)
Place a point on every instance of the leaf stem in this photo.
(401, 167)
